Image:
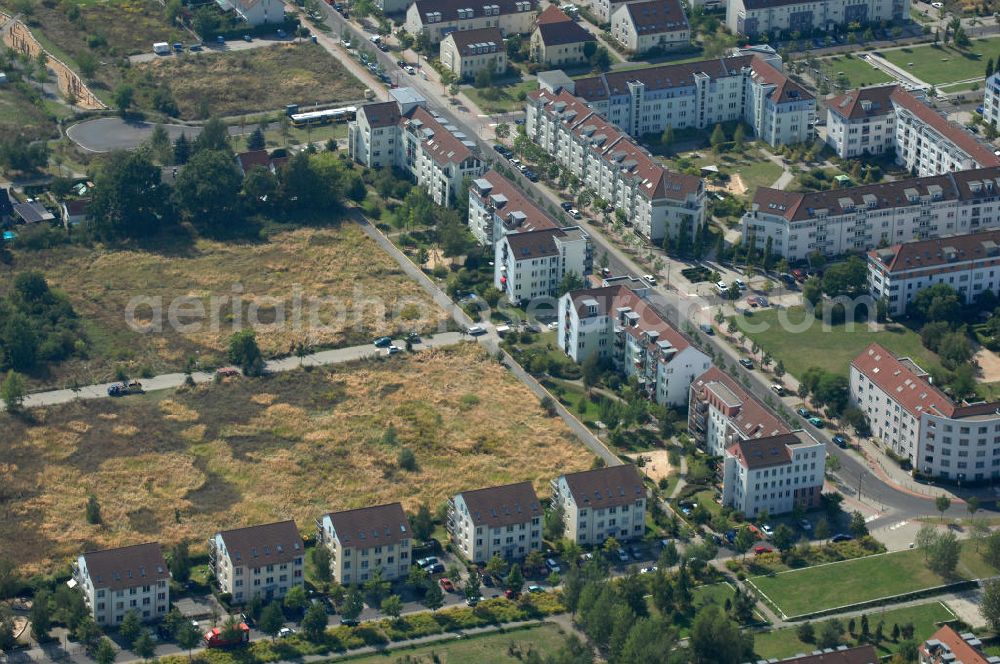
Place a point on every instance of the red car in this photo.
(752, 301)
(510, 594)
(447, 585)
(762, 549)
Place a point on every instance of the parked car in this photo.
(648, 570)
(767, 530)
(393, 349)
(533, 588)
(487, 580)
(746, 363)
(350, 622)
(721, 286)
(841, 537)
(762, 301)
(228, 372)
(761, 548)
(511, 594)
(475, 330)
(195, 47)
(446, 585)
(429, 560)
(707, 329)
(787, 278)
(840, 441)
(247, 38)
(285, 632)
(799, 274)
(805, 525)
(566, 205)
(803, 412)
(573, 212)
(436, 568)
(650, 279)
(623, 555)
(752, 301)
(383, 342)
(501, 150)
(472, 601)
(778, 389)
(816, 422)
(552, 565)
(739, 284)
(531, 175)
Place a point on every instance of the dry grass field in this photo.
(340, 263)
(260, 79)
(253, 450)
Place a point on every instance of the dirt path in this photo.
(657, 464)
(989, 365)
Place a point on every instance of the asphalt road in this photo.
(107, 134)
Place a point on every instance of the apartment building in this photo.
(531, 264)
(947, 646)
(129, 578)
(640, 27)
(468, 52)
(503, 521)
(437, 18)
(255, 12)
(991, 100)
(771, 17)
(402, 133)
(968, 263)
(721, 412)
(748, 87)
(862, 218)
(558, 40)
(264, 561)
(602, 503)
(616, 323)
(364, 540)
(921, 423)
(862, 122)
(497, 207)
(773, 473)
(654, 200)
(838, 655)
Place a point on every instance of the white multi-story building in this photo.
(503, 521)
(264, 561)
(655, 201)
(748, 87)
(404, 134)
(616, 323)
(773, 473)
(721, 413)
(602, 503)
(651, 24)
(130, 578)
(364, 540)
(558, 40)
(855, 219)
(862, 122)
(255, 12)
(991, 100)
(437, 18)
(772, 17)
(968, 263)
(467, 52)
(531, 264)
(921, 423)
(498, 207)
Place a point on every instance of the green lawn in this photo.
(800, 344)
(938, 64)
(500, 98)
(858, 72)
(839, 584)
(782, 643)
(760, 174)
(490, 649)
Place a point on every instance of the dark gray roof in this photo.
(267, 544)
(371, 526)
(502, 505)
(32, 213)
(612, 486)
(127, 566)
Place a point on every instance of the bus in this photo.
(324, 117)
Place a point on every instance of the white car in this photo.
(573, 212)
(721, 286)
(410, 70)
(648, 570)
(285, 631)
(767, 530)
(393, 349)
(346, 43)
(937, 5)
(553, 565)
(650, 278)
(740, 284)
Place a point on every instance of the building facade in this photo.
(558, 40)
(861, 218)
(773, 473)
(601, 503)
(364, 540)
(264, 561)
(655, 201)
(532, 264)
(468, 52)
(498, 207)
(129, 578)
(968, 263)
(991, 100)
(404, 134)
(862, 122)
(503, 521)
(921, 423)
(437, 18)
(640, 27)
(614, 322)
(768, 17)
(255, 12)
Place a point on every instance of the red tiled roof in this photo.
(901, 383)
(449, 8)
(253, 158)
(534, 218)
(381, 114)
(611, 298)
(528, 245)
(442, 146)
(552, 14)
(265, 544)
(932, 252)
(785, 89)
(851, 104)
(764, 452)
(656, 16)
(858, 655)
(611, 486)
(954, 133)
(963, 653)
(753, 419)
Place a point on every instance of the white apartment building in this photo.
(255, 12)
(404, 134)
(651, 24)
(862, 122)
(771, 17)
(921, 423)
(498, 207)
(264, 561)
(968, 263)
(558, 40)
(748, 87)
(991, 100)
(364, 540)
(721, 413)
(468, 52)
(602, 503)
(505, 521)
(437, 18)
(616, 323)
(129, 578)
(773, 473)
(531, 264)
(655, 201)
(861, 218)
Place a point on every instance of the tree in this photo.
(806, 632)
(989, 606)
(354, 604)
(515, 580)
(667, 137)
(214, 137)
(7, 640)
(407, 460)
(130, 628)
(554, 525)
(715, 639)
(497, 566)
(858, 527)
(182, 150)
(159, 143)
(502, 131)
(717, 139)
(376, 589)
(272, 619)
(13, 391)
(944, 553)
(422, 523)
(392, 606)
(314, 622)
(296, 599)
(124, 94)
(941, 504)
(129, 201)
(472, 588)
(143, 645)
(208, 189)
(571, 281)
(256, 141)
(244, 352)
(105, 653)
(738, 138)
(188, 636)
(180, 562)
(829, 635)
(321, 564)
(434, 598)
(743, 541)
(972, 505)
(784, 538)
(93, 510)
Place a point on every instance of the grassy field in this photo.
(926, 618)
(938, 65)
(260, 79)
(23, 116)
(171, 466)
(830, 348)
(838, 584)
(506, 99)
(490, 649)
(754, 169)
(340, 263)
(857, 71)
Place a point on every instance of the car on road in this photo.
(383, 342)
(228, 372)
(446, 585)
(285, 632)
(721, 286)
(428, 561)
(487, 579)
(752, 301)
(762, 301)
(805, 525)
(472, 601)
(566, 205)
(841, 537)
(515, 162)
(350, 622)
(650, 279)
(552, 565)
(787, 278)
(759, 549)
(475, 330)
(739, 284)
(623, 555)
(511, 594)
(746, 363)
(767, 530)
(501, 150)
(816, 422)
(409, 70)
(346, 43)
(778, 389)
(531, 175)
(803, 412)
(534, 588)
(436, 568)
(393, 349)
(573, 212)
(247, 38)
(707, 329)
(840, 441)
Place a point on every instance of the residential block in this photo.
(264, 561)
(129, 578)
(602, 503)
(505, 521)
(773, 473)
(365, 540)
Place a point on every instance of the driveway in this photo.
(233, 45)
